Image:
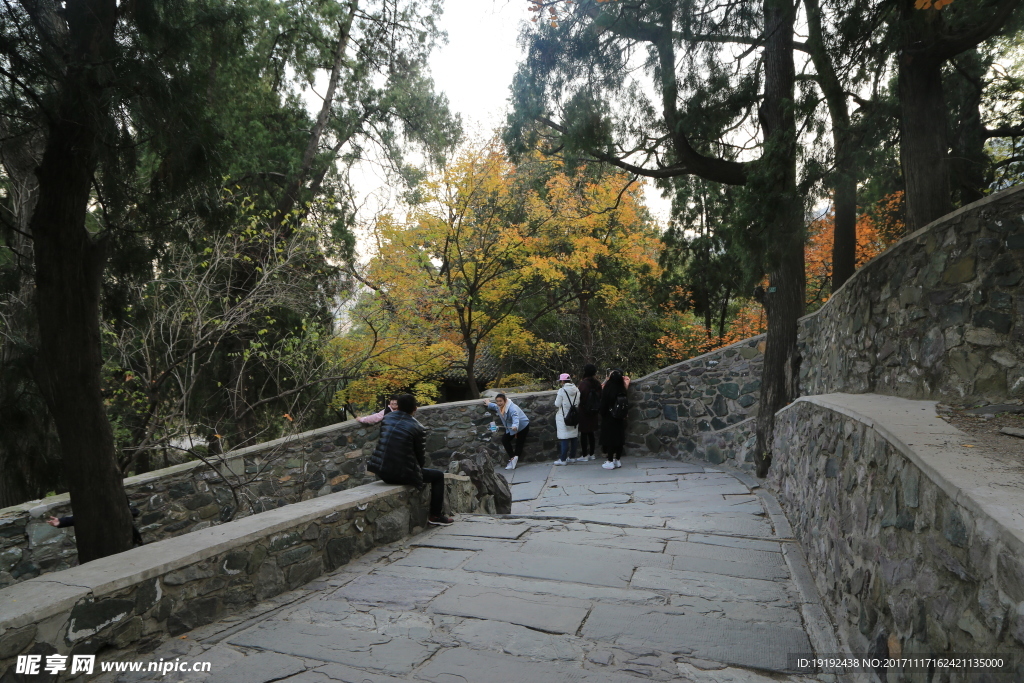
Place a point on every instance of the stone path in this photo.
(656, 571)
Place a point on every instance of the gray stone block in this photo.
(360, 649)
(583, 500)
(596, 539)
(517, 640)
(710, 586)
(549, 547)
(382, 589)
(555, 568)
(729, 568)
(434, 558)
(485, 530)
(260, 667)
(464, 664)
(542, 612)
(760, 646)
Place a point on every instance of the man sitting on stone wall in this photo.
(401, 453)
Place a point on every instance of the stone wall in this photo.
(902, 565)
(938, 315)
(175, 585)
(699, 408)
(192, 497)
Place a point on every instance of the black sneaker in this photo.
(441, 520)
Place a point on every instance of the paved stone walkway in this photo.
(656, 571)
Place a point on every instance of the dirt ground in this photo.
(983, 423)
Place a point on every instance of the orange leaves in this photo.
(931, 4)
(877, 228)
(686, 337)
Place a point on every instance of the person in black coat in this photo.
(613, 426)
(401, 453)
(590, 395)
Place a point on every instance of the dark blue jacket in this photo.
(401, 450)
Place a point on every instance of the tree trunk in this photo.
(924, 145)
(844, 235)
(784, 300)
(723, 312)
(69, 266)
(968, 161)
(586, 328)
(474, 390)
(780, 378)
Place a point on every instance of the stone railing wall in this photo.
(939, 315)
(916, 548)
(178, 584)
(687, 409)
(193, 496)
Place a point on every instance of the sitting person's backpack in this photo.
(621, 407)
(571, 418)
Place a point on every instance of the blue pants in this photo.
(567, 445)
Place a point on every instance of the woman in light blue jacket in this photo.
(516, 424)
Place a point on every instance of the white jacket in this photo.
(567, 397)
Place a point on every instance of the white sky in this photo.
(475, 71)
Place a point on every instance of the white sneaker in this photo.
(512, 463)
(560, 462)
(608, 465)
(618, 464)
(592, 457)
(571, 460)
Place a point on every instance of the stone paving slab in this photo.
(519, 641)
(646, 532)
(763, 646)
(628, 519)
(564, 587)
(672, 470)
(739, 610)
(588, 554)
(721, 523)
(615, 574)
(711, 586)
(527, 490)
(654, 466)
(259, 668)
(435, 558)
(651, 545)
(509, 531)
(454, 542)
(733, 542)
(721, 552)
(344, 674)
(525, 473)
(591, 473)
(647, 487)
(554, 500)
(389, 590)
(360, 649)
(753, 509)
(463, 665)
(542, 612)
(729, 568)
